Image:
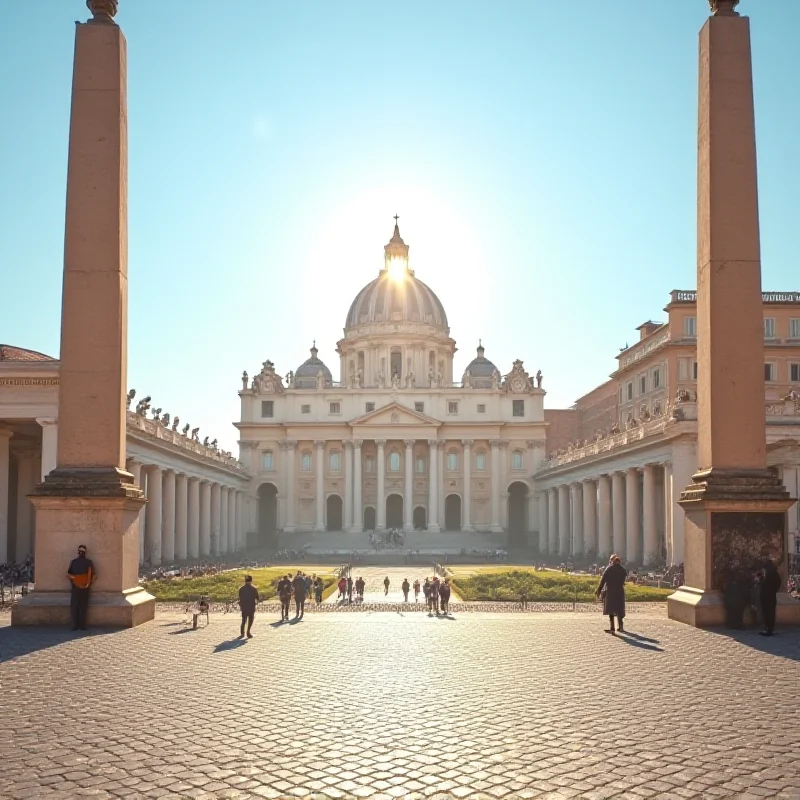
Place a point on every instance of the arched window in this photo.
(452, 460)
(267, 463)
(517, 460)
(420, 465)
(335, 461)
(305, 461)
(394, 462)
(480, 461)
(369, 464)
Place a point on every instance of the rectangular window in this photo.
(519, 408)
(481, 408)
(419, 407)
(336, 408)
(794, 373)
(369, 464)
(335, 461)
(305, 409)
(266, 461)
(370, 407)
(517, 461)
(643, 384)
(656, 378)
(690, 327)
(480, 462)
(694, 370)
(452, 461)
(267, 408)
(452, 407)
(769, 372)
(305, 462)
(769, 327)
(794, 331)
(630, 390)
(420, 465)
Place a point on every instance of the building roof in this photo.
(309, 370)
(10, 353)
(480, 367)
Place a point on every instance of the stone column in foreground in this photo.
(90, 498)
(735, 508)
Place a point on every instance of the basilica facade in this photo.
(398, 442)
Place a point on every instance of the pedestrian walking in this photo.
(285, 596)
(299, 590)
(386, 585)
(770, 586)
(349, 589)
(406, 587)
(318, 589)
(360, 584)
(612, 590)
(342, 587)
(416, 590)
(426, 590)
(435, 594)
(444, 595)
(248, 599)
(81, 574)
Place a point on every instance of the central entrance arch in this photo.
(267, 513)
(369, 518)
(420, 519)
(334, 513)
(394, 511)
(517, 514)
(452, 512)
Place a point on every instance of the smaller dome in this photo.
(308, 371)
(480, 370)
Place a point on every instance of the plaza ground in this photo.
(400, 705)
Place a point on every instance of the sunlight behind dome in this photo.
(397, 268)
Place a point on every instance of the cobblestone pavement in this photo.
(392, 705)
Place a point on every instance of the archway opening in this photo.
(420, 519)
(267, 513)
(394, 511)
(369, 518)
(452, 512)
(333, 518)
(517, 514)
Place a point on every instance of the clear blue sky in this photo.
(541, 156)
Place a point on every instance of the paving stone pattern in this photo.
(399, 706)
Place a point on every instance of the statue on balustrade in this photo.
(683, 396)
(539, 379)
(129, 398)
(496, 379)
(656, 408)
(185, 430)
(644, 413)
(205, 442)
(431, 379)
(320, 380)
(290, 379)
(195, 434)
(631, 422)
(156, 412)
(175, 423)
(360, 378)
(165, 420)
(244, 381)
(381, 379)
(395, 381)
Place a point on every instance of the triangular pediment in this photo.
(395, 414)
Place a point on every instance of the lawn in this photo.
(539, 587)
(224, 587)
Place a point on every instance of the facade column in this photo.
(576, 498)
(231, 520)
(440, 452)
(618, 514)
(289, 526)
(168, 516)
(135, 468)
(495, 526)
(433, 486)
(380, 510)
(650, 554)
(5, 474)
(224, 493)
(49, 427)
(408, 494)
(181, 511)
(563, 521)
(552, 521)
(542, 523)
(193, 519)
(347, 523)
(358, 503)
(319, 455)
(668, 511)
(240, 526)
(466, 506)
(27, 478)
(152, 544)
(589, 517)
(205, 519)
(632, 529)
(215, 520)
(605, 524)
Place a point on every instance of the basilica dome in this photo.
(307, 373)
(396, 295)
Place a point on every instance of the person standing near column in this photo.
(81, 574)
(612, 590)
(248, 599)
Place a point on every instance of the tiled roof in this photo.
(10, 353)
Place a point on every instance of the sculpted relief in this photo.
(267, 381)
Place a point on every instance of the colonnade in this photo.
(188, 517)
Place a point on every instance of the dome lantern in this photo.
(396, 254)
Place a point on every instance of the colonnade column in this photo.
(589, 517)
(632, 553)
(650, 553)
(618, 513)
(27, 478)
(181, 511)
(495, 526)
(563, 520)
(135, 468)
(232, 540)
(152, 543)
(358, 505)
(193, 519)
(542, 523)
(668, 512)
(605, 522)
(240, 525)
(319, 525)
(380, 515)
(50, 445)
(168, 516)
(408, 493)
(347, 522)
(205, 518)
(552, 521)
(5, 474)
(576, 493)
(466, 510)
(215, 519)
(289, 525)
(223, 519)
(433, 486)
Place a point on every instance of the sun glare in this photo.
(397, 269)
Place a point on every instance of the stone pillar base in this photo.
(319, 529)
(706, 609)
(408, 528)
(495, 528)
(106, 609)
(289, 529)
(433, 527)
(467, 529)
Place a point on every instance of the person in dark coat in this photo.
(444, 594)
(81, 574)
(248, 597)
(770, 586)
(406, 587)
(299, 587)
(612, 589)
(285, 596)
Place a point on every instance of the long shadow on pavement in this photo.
(18, 642)
(641, 642)
(784, 644)
(231, 644)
